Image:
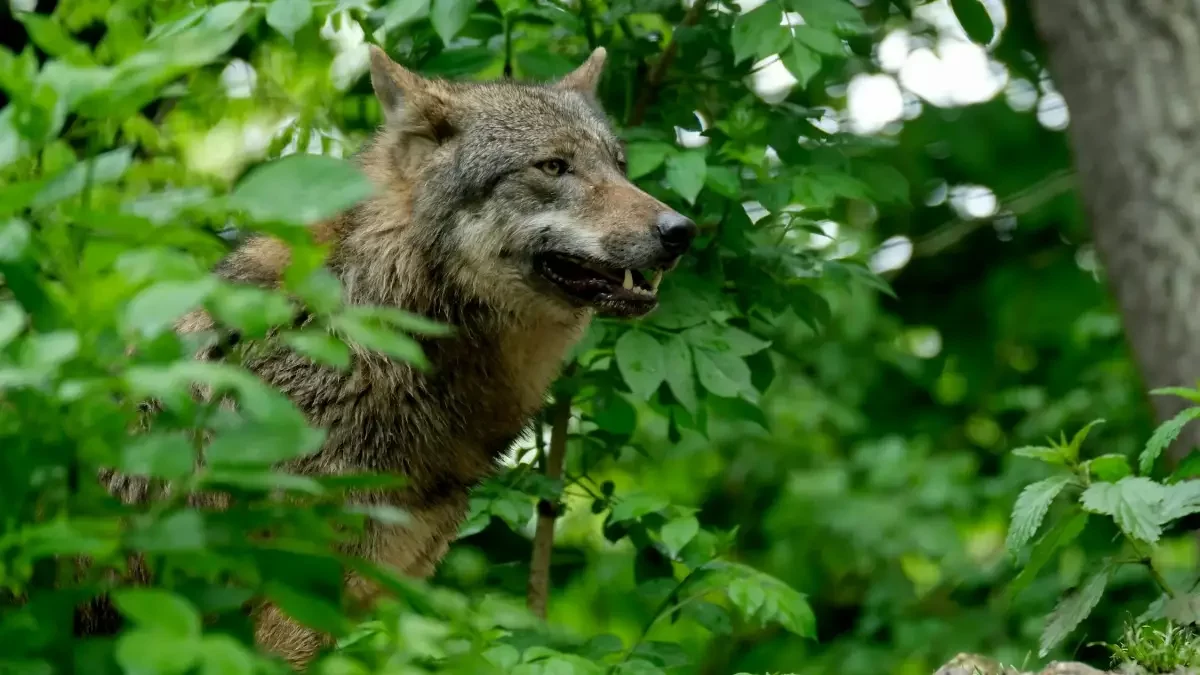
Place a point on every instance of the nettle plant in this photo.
(122, 165)
(1140, 506)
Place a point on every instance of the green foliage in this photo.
(776, 454)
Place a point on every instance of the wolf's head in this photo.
(521, 190)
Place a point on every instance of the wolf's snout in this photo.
(676, 232)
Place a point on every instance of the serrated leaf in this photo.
(1179, 500)
(1163, 436)
(685, 173)
(677, 533)
(1030, 509)
(1188, 469)
(975, 20)
(1042, 453)
(680, 373)
(640, 358)
(300, 189)
(449, 17)
(1192, 395)
(1063, 533)
(289, 16)
(752, 28)
(722, 373)
(1134, 503)
(1071, 611)
(718, 338)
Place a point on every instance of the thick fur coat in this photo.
(503, 210)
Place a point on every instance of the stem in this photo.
(665, 609)
(659, 72)
(585, 15)
(543, 539)
(1144, 558)
(508, 55)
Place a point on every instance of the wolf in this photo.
(503, 209)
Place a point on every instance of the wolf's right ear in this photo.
(405, 95)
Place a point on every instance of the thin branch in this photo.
(659, 72)
(543, 539)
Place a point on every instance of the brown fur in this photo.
(449, 233)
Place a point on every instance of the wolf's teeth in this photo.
(656, 280)
(628, 280)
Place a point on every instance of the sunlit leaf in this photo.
(1031, 507)
(1134, 502)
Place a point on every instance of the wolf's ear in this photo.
(586, 77)
(407, 97)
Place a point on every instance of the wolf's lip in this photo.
(611, 290)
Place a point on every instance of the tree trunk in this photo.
(1130, 73)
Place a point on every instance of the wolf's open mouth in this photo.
(612, 290)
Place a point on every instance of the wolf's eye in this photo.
(554, 167)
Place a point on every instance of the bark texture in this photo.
(1130, 73)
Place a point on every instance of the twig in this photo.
(543, 538)
(659, 72)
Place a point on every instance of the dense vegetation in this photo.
(803, 462)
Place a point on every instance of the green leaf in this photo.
(1180, 500)
(886, 182)
(166, 455)
(450, 16)
(1188, 469)
(819, 40)
(1071, 611)
(975, 20)
(263, 444)
(105, 168)
(724, 180)
(677, 533)
(381, 339)
(1134, 502)
(644, 157)
(1109, 468)
(300, 189)
(677, 362)
(178, 532)
(802, 62)
(144, 650)
(156, 309)
(307, 609)
(1163, 436)
(641, 361)
(718, 338)
(252, 311)
(753, 28)
(830, 14)
(1192, 395)
(319, 346)
(1042, 453)
(14, 237)
(289, 16)
(158, 610)
(401, 12)
(1064, 532)
(635, 505)
(1072, 448)
(1030, 509)
(722, 373)
(685, 173)
(12, 322)
(223, 655)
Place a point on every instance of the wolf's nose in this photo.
(676, 231)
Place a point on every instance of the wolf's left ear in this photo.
(586, 77)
